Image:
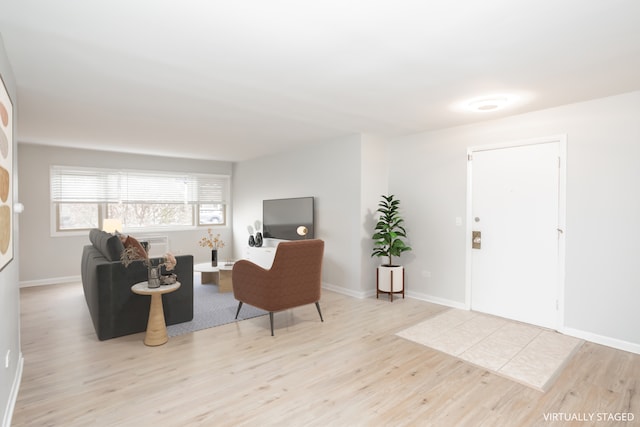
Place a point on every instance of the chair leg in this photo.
(239, 306)
(319, 312)
(271, 320)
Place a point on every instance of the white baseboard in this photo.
(414, 295)
(50, 281)
(437, 300)
(601, 339)
(13, 396)
(345, 291)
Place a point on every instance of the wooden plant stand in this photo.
(392, 284)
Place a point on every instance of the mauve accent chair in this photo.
(294, 279)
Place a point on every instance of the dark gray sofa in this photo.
(114, 309)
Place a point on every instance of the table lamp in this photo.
(111, 225)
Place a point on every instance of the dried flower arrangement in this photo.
(211, 241)
(132, 253)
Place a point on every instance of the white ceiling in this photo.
(237, 79)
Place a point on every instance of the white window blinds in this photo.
(93, 185)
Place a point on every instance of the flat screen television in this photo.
(282, 217)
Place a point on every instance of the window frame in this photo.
(200, 178)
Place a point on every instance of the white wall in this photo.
(63, 253)
(330, 172)
(374, 183)
(9, 289)
(602, 291)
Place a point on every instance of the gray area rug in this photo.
(211, 308)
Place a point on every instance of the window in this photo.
(211, 214)
(82, 197)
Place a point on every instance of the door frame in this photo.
(561, 140)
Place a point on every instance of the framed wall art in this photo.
(6, 177)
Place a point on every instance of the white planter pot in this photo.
(390, 280)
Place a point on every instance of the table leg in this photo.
(156, 327)
(207, 278)
(225, 283)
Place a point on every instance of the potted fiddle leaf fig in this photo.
(389, 242)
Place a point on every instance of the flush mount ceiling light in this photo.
(490, 103)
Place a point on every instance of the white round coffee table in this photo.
(220, 275)
(208, 273)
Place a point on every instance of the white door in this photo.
(515, 207)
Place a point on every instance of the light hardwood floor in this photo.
(350, 370)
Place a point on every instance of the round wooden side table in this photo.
(156, 327)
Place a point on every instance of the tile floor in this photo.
(525, 353)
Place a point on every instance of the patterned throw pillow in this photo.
(131, 242)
